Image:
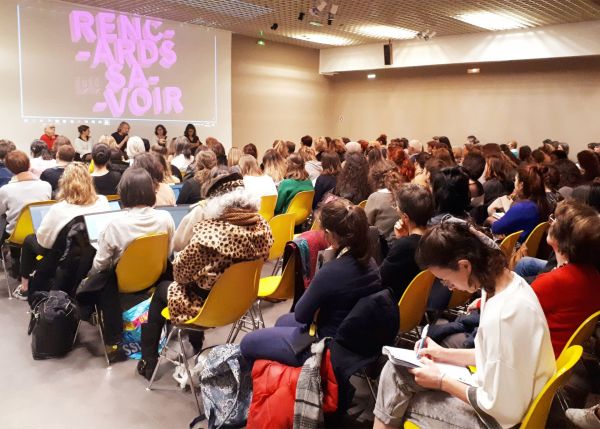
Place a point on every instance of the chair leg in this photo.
(187, 369)
(5, 273)
(161, 356)
(98, 317)
(562, 399)
(276, 267)
(235, 330)
(370, 384)
(76, 332)
(259, 316)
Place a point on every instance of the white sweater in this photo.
(258, 186)
(82, 147)
(60, 214)
(17, 194)
(119, 234)
(513, 354)
(38, 165)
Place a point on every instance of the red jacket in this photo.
(568, 295)
(48, 140)
(274, 392)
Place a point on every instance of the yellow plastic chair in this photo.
(113, 197)
(413, 303)
(142, 263)
(458, 299)
(229, 299)
(23, 228)
(91, 167)
(267, 206)
(509, 243)
(301, 206)
(282, 227)
(362, 204)
(538, 412)
(276, 288)
(537, 415)
(535, 238)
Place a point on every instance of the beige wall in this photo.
(526, 101)
(277, 92)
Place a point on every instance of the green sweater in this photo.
(288, 188)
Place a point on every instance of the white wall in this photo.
(556, 41)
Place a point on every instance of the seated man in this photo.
(64, 156)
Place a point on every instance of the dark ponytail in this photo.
(532, 179)
(349, 223)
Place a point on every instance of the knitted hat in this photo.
(222, 185)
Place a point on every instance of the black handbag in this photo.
(53, 325)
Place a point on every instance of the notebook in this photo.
(408, 358)
(176, 212)
(176, 189)
(97, 222)
(37, 215)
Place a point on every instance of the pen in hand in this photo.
(422, 340)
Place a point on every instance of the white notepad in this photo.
(408, 358)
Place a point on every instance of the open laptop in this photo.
(95, 223)
(176, 212)
(37, 214)
(114, 205)
(176, 189)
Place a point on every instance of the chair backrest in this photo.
(282, 227)
(142, 263)
(301, 206)
(267, 206)
(535, 238)
(509, 243)
(24, 225)
(231, 296)
(537, 415)
(458, 298)
(583, 333)
(285, 289)
(362, 204)
(113, 197)
(413, 303)
(91, 166)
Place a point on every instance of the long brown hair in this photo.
(531, 178)
(295, 168)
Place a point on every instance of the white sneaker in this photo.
(585, 418)
(20, 294)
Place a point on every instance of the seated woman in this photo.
(183, 155)
(353, 181)
(41, 158)
(415, 208)
(76, 197)
(380, 210)
(138, 196)
(256, 182)
(513, 352)
(569, 293)
(333, 292)
(24, 188)
(496, 181)
(451, 195)
(150, 162)
(190, 192)
(330, 163)
(172, 174)
(296, 180)
(273, 164)
(530, 206)
(105, 180)
(230, 215)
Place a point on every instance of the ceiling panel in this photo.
(250, 17)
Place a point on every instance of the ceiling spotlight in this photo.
(371, 76)
(315, 23)
(275, 26)
(426, 35)
(261, 42)
(474, 70)
(301, 16)
(329, 19)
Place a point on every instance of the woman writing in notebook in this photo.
(513, 353)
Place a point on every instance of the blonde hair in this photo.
(274, 165)
(205, 161)
(249, 166)
(295, 168)
(307, 153)
(281, 148)
(320, 144)
(108, 141)
(233, 157)
(76, 185)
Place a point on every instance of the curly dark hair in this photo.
(449, 242)
(353, 180)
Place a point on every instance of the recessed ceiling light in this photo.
(474, 70)
(493, 21)
(324, 39)
(371, 76)
(315, 23)
(385, 32)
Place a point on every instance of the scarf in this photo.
(240, 217)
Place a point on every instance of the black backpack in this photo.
(53, 325)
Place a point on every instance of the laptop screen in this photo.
(176, 212)
(37, 214)
(114, 205)
(176, 189)
(97, 222)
